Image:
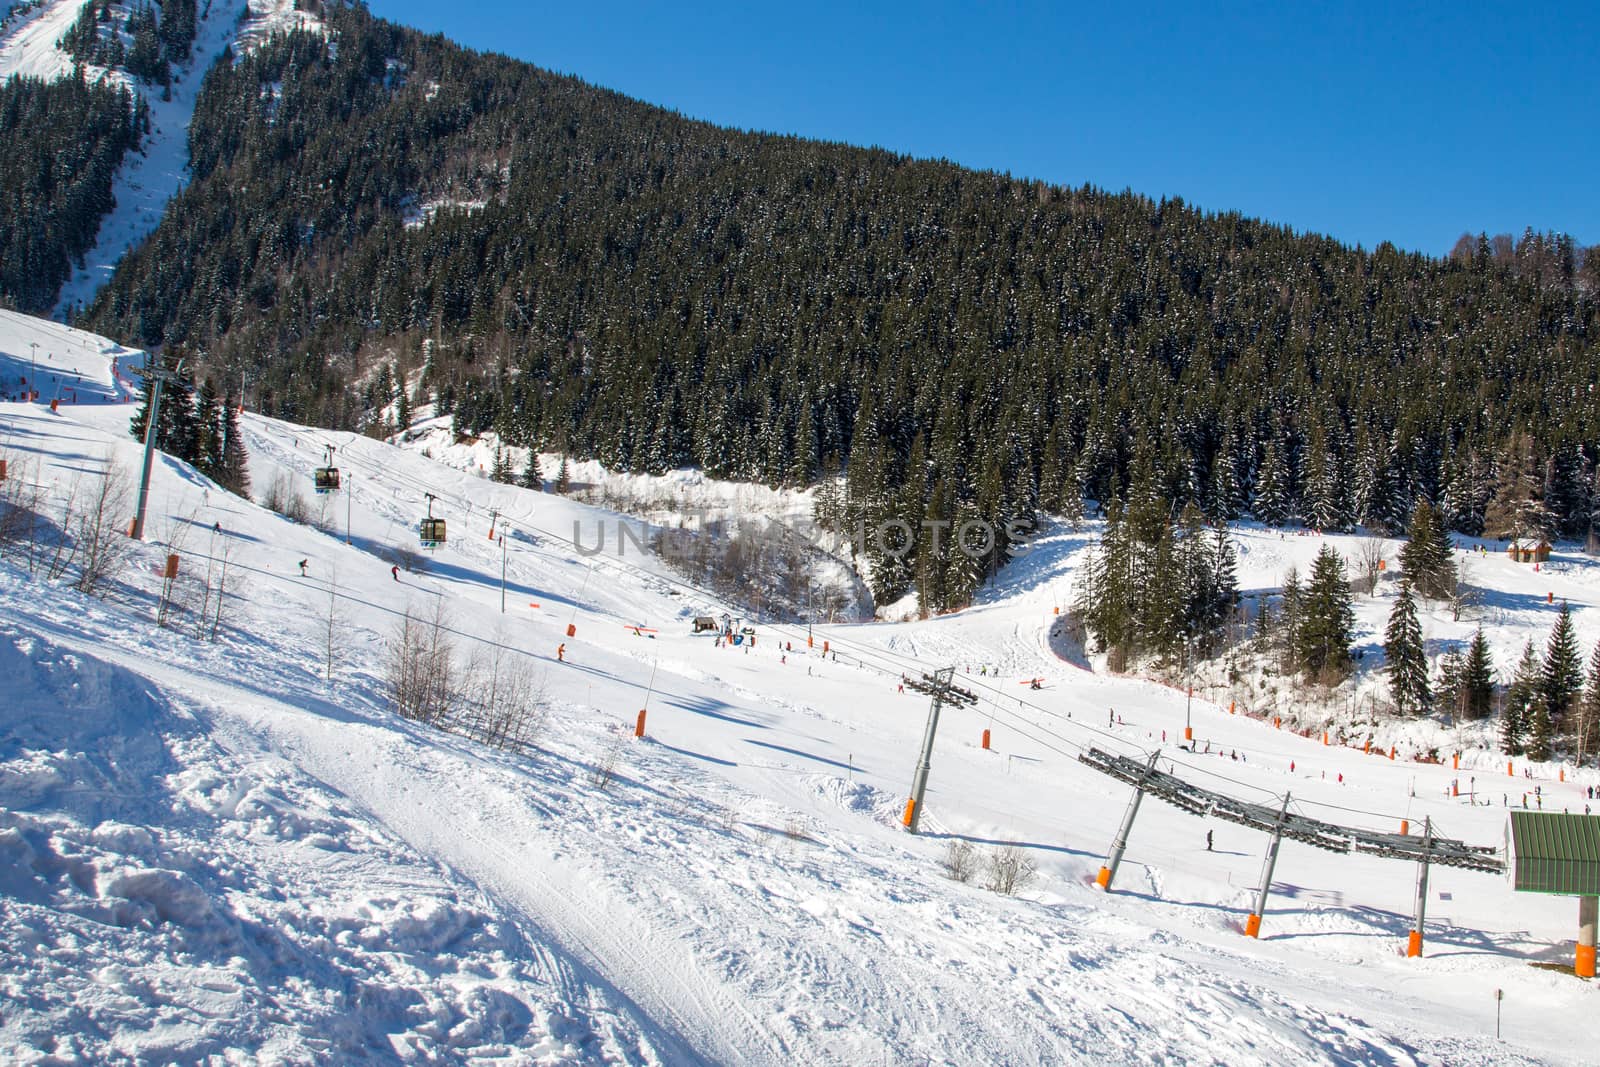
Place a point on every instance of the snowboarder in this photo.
(395, 572)
(302, 568)
(561, 653)
(1208, 840)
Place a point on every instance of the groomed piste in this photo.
(233, 847)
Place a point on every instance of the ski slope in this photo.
(151, 176)
(213, 849)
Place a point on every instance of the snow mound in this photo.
(164, 901)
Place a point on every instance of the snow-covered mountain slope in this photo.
(153, 175)
(211, 848)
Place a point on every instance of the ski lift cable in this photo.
(887, 661)
(882, 660)
(1022, 727)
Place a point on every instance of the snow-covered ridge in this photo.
(152, 176)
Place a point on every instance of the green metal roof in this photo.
(1555, 853)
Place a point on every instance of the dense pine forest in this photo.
(64, 141)
(146, 40)
(581, 271)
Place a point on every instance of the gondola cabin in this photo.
(432, 533)
(326, 480)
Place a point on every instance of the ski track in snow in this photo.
(153, 174)
(210, 849)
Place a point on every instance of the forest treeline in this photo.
(584, 272)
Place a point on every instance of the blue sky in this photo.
(1369, 122)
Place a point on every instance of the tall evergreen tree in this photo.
(1272, 489)
(501, 471)
(208, 431)
(1588, 718)
(1477, 678)
(1225, 580)
(1426, 555)
(1327, 621)
(1562, 678)
(1407, 663)
(402, 400)
(963, 570)
(1292, 615)
(1225, 489)
(1196, 573)
(1450, 692)
(1522, 698)
(532, 476)
(1566, 490)
(234, 475)
(1517, 509)
(1325, 505)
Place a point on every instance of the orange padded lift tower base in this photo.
(1588, 913)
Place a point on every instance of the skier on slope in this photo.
(561, 653)
(395, 572)
(303, 568)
